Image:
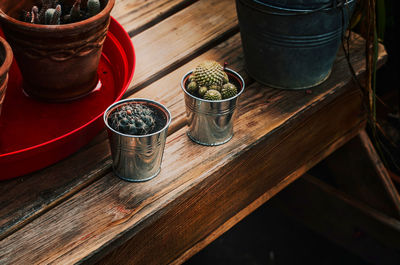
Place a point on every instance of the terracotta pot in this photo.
(6, 58)
(57, 62)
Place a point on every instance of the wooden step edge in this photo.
(198, 246)
(381, 170)
(359, 228)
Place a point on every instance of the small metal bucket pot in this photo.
(138, 158)
(210, 122)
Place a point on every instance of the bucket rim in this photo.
(288, 11)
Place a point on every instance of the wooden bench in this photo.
(77, 211)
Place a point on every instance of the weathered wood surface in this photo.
(177, 208)
(108, 212)
(136, 16)
(26, 197)
(342, 218)
(357, 170)
(177, 39)
(77, 209)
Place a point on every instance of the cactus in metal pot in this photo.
(210, 76)
(133, 119)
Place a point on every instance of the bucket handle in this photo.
(293, 12)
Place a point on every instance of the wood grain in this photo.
(138, 15)
(343, 219)
(82, 214)
(177, 39)
(19, 215)
(25, 198)
(272, 127)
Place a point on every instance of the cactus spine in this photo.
(133, 119)
(209, 81)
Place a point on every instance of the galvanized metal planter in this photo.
(292, 44)
(137, 158)
(211, 122)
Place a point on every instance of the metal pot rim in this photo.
(237, 75)
(138, 100)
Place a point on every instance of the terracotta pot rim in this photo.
(56, 28)
(8, 57)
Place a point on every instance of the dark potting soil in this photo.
(160, 119)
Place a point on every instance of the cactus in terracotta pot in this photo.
(51, 12)
(55, 64)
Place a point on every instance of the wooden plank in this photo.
(136, 16)
(258, 202)
(347, 221)
(57, 183)
(27, 197)
(357, 170)
(175, 40)
(177, 208)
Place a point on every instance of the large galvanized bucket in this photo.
(291, 44)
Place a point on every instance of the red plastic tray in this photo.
(36, 134)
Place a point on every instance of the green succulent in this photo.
(202, 91)
(209, 73)
(228, 90)
(215, 87)
(192, 87)
(133, 119)
(212, 95)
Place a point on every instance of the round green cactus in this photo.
(209, 73)
(215, 87)
(228, 90)
(213, 95)
(133, 119)
(226, 78)
(192, 87)
(202, 91)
